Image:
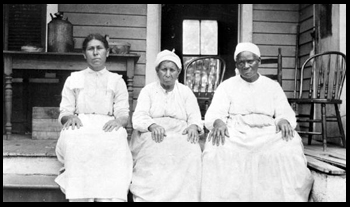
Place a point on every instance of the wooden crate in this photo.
(45, 124)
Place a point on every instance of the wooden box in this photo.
(45, 124)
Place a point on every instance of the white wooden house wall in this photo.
(122, 22)
(275, 26)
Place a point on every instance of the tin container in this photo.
(60, 34)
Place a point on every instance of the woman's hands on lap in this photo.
(286, 129)
(157, 132)
(192, 134)
(110, 125)
(72, 121)
(218, 133)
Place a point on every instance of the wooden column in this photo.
(130, 72)
(130, 65)
(8, 93)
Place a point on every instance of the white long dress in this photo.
(97, 164)
(170, 170)
(254, 164)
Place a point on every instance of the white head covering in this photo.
(168, 55)
(246, 46)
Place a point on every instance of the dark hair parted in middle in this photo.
(96, 37)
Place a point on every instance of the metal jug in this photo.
(60, 34)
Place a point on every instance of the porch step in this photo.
(29, 170)
(31, 188)
(16, 181)
(329, 172)
(31, 179)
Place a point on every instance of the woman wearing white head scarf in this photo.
(164, 144)
(252, 152)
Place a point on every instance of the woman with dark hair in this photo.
(93, 147)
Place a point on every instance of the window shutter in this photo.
(26, 25)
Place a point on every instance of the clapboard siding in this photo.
(131, 9)
(137, 46)
(277, 7)
(306, 22)
(111, 20)
(122, 22)
(306, 17)
(122, 33)
(274, 39)
(275, 26)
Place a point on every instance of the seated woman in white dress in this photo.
(252, 152)
(93, 144)
(167, 123)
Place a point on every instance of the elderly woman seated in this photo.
(164, 144)
(253, 152)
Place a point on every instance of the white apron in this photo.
(255, 164)
(97, 164)
(168, 171)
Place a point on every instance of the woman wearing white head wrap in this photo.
(246, 47)
(252, 152)
(164, 144)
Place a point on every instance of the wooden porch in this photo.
(30, 167)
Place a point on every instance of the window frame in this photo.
(201, 47)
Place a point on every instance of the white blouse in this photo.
(154, 102)
(91, 92)
(260, 103)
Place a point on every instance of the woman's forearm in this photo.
(123, 120)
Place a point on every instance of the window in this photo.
(23, 24)
(200, 37)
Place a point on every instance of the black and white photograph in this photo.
(174, 102)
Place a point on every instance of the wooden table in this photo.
(59, 61)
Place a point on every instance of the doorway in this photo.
(225, 14)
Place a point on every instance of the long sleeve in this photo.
(283, 110)
(192, 109)
(219, 107)
(68, 103)
(121, 100)
(142, 118)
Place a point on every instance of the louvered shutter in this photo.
(26, 25)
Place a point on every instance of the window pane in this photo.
(191, 37)
(209, 37)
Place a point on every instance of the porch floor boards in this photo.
(23, 145)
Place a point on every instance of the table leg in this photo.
(130, 72)
(8, 94)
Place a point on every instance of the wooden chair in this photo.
(324, 74)
(203, 75)
(278, 61)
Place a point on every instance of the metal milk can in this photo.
(60, 34)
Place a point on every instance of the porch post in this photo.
(153, 40)
(245, 23)
(342, 45)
